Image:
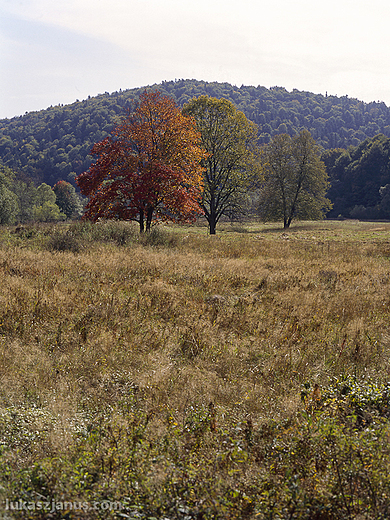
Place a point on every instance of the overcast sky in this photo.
(57, 51)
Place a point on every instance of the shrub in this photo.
(120, 233)
(159, 237)
(63, 241)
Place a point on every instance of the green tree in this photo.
(357, 176)
(45, 208)
(44, 194)
(26, 193)
(294, 181)
(230, 140)
(67, 200)
(384, 206)
(9, 205)
(48, 212)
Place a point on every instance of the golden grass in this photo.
(241, 320)
(256, 313)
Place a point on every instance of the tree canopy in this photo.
(9, 206)
(230, 142)
(21, 201)
(358, 177)
(67, 200)
(55, 144)
(149, 168)
(294, 181)
(45, 208)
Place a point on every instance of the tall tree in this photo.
(45, 208)
(67, 200)
(149, 168)
(26, 193)
(294, 181)
(230, 140)
(9, 204)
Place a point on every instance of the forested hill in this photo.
(54, 144)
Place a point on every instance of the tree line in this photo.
(360, 179)
(22, 202)
(55, 144)
(290, 176)
(162, 163)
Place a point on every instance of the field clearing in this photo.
(242, 375)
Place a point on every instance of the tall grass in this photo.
(189, 376)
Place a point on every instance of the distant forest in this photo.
(54, 144)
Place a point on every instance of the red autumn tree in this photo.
(148, 169)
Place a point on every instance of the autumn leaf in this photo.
(149, 169)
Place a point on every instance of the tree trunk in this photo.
(141, 221)
(212, 219)
(149, 217)
(212, 225)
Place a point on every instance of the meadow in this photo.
(179, 375)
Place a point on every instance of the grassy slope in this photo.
(191, 376)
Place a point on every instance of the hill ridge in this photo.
(54, 143)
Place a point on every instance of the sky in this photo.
(56, 51)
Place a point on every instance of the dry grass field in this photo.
(186, 376)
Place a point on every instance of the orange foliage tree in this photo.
(148, 169)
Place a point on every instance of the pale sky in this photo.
(57, 51)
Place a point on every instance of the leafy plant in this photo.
(294, 181)
(230, 140)
(150, 167)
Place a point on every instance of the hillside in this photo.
(54, 144)
(360, 179)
